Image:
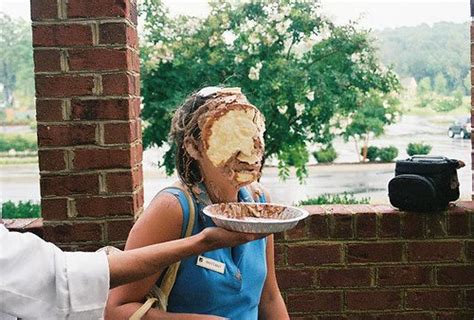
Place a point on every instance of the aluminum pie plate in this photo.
(286, 218)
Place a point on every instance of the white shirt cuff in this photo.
(88, 281)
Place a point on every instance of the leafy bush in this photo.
(424, 101)
(388, 154)
(418, 148)
(17, 142)
(448, 104)
(445, 105)
(370, 119)
(325, 155)
(383, 154)
(334, 198)
(27, 209)
(372, 153)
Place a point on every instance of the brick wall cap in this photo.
(327, 209)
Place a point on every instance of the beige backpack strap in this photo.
(170, 275)
(137, 315)
(161, 294)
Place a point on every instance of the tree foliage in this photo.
(438, 100)
(427, 51)
(304, 73)
(424, 86)
(16, 60)
(369, 119)
(440, 84)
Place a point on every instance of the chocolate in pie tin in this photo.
(255, 217)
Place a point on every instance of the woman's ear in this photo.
(192, 148)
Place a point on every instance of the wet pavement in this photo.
(364, 180)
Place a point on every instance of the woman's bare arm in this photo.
(136, 264)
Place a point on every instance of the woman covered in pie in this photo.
(219, 143)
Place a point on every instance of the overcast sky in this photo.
(375, 14)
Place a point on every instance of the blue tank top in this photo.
(236, 293)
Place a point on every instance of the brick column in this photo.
(89, 131)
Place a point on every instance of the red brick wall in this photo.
(366, 262)
(371, 262)
(89, 130)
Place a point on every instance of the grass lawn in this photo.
(17, 160)
(410, 108)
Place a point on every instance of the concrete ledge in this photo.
(365, 222)
(34, 225)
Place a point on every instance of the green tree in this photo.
(304, 73)
(425, 96)
(440, 84)
(467, 84)
(424, 86)
(446, 104)
(424, 51)
(373, 112)
(16, 60)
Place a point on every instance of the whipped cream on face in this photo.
(232, 135)
(235, 132)
(245, 177)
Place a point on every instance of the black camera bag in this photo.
(424, 183)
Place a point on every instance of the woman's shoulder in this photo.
(168, 195)
(163, 215)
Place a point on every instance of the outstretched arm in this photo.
(136, 264)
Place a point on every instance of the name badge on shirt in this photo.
(210, 264)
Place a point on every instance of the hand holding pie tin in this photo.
(255, 217)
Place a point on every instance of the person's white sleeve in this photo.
(39, 281)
